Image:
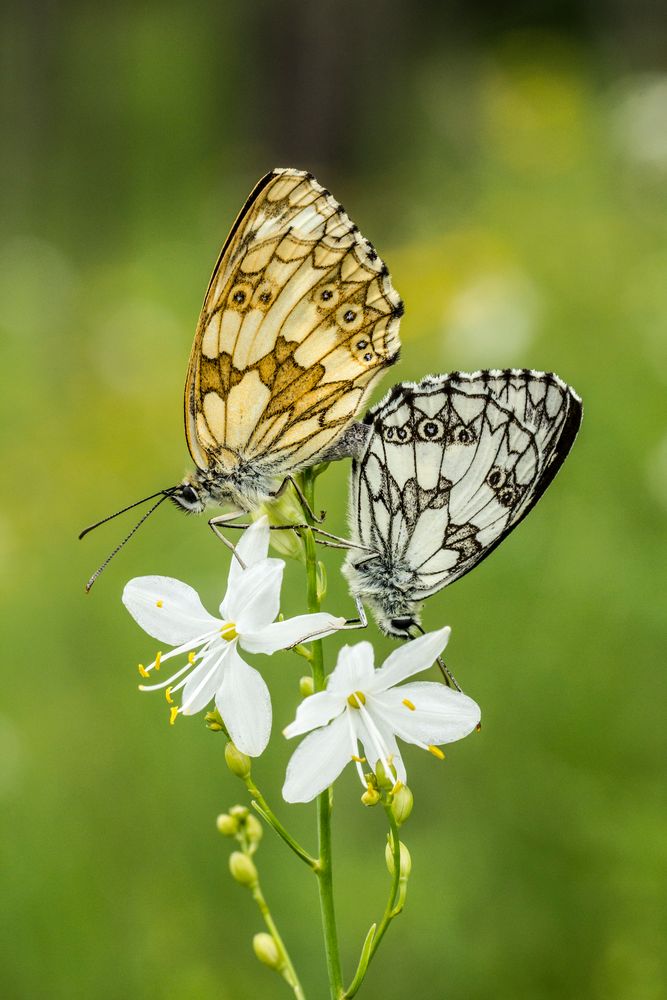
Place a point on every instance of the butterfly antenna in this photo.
(163, 497)
(449, 678)
(137, 503)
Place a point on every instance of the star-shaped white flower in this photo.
(363, 705)
(172, 612)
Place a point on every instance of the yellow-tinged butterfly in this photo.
(299, 321)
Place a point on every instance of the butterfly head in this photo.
(191, 495)
(401, 627)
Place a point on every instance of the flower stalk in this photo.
(324, 867)
(244, 870)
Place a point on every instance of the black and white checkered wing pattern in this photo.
(453, 464)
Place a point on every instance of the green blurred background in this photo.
(511, 167)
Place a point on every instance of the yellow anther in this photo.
(408, 704)
(397, 787)
(159, 604)
(437, 752)
(478, 727)
(356, 699)
(158, 657)
(358, 760)
(228, 631)
(167, 695)
(192, 657)
(142, 670)
(172, 714)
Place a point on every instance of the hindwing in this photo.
(299, 320)
(452, 464)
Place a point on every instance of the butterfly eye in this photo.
(240, 295)
(350, 317)
(327, 297)
(496, 478)
(431, 429)
(401, 625)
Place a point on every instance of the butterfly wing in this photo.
(454, 463)
(299, 320)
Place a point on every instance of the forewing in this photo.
(299, 320)
(454, 463)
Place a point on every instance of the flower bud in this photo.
(371, 796)
(306, 686)
(383, 780)
(239, 812)
(401, 804)
(227, 825)
(285, 510)
(214, 722)
(406, 860)
(266, 950)
(254, 829)
(237, 762)
(242, 868)
(321, 581)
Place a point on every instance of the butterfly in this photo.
(299, 320)
(449, 467)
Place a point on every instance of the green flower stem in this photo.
(324, 801)
(261, 806)
(394, 902)
(287, 970)
(392, 909)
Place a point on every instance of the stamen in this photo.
(359, 760)
(408, 704)
(173, 713)
(356, 699)
(142, 670)
(192, 657)
(436, 751)
(159, 604)
(167, 695)
(158, 657)
(228, 631)
(379, 746)
(478, 727)
(203, 682)
(353, 755)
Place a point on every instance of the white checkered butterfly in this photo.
(449, 467)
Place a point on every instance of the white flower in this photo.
(172, 612)
(362, 705)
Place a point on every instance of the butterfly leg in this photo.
(302, 500)
(225, 519)
(357, 623)
(448, 676)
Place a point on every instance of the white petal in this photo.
(354, 669)
(252, 547)
(440, 715)
(244, 703)
(203, 682)
(318, 761)
(411, 658)
(313, 712)
(255, 599)
(389, 741)
(167, 609)
(284, 635)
